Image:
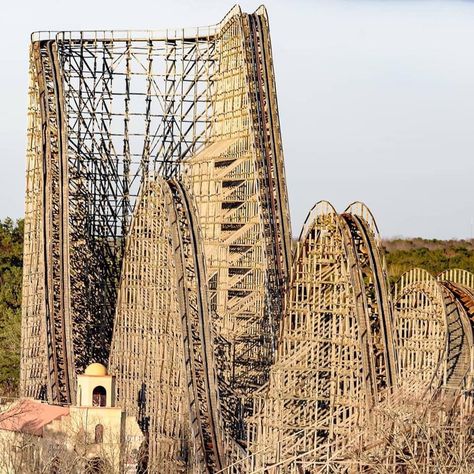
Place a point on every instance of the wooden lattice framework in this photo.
(433, 327)
(335, 357)
(157, 239)
(239, 186)
(162, 351)
(109, 108)
(110, 113)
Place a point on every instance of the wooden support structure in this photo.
(335, 359)
(433, 328)
(125, 259)
(158, 241)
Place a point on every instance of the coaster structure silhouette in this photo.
(158, 243)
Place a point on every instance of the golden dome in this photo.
(96, 369)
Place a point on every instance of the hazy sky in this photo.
(376, 99)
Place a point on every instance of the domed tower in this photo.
(95, 387)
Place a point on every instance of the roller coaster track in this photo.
(239, 187)
(266, 119)
(55, 223)
(434, 327)
(459, 301)
(461, 284)
(204, 407)
(456, 368)
(164, 234)
(274, 206)
(371, 289)
(465, 296)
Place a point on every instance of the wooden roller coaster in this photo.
(158, 242)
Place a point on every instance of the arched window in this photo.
(99, 396)
(99, 434)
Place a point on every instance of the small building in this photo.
(95, 388)
(94, 434)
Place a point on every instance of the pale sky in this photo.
(376, 99)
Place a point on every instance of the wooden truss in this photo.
(434, 331)
(162, 350)
(108, 110)
(158, 241)
(111, 112)
(335, 358)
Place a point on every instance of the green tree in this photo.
(431, 254)
(11, 261)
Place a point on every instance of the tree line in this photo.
(433, 255)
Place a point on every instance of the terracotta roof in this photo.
(30, 416)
